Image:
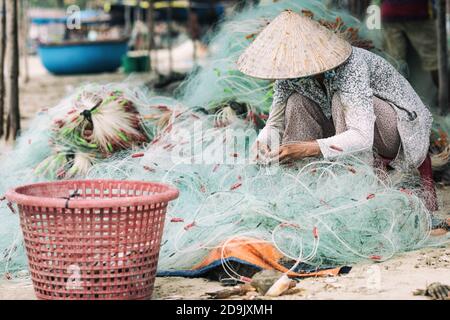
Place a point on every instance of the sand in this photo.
(393, 279)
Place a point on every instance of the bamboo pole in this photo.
(170, 31)
(24, 36)
(191, 28)
(2, 65)
(151, 23)
(127, 17)
(138, 12)
(443, 57)
(12, 60)
(151, 31)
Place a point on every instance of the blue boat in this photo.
(84, 57)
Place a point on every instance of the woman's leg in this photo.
(305, 121)
(386, 137)
(387, 143)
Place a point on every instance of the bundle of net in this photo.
(94, 124)
(317, 212)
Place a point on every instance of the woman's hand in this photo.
(295, 151)
(260, 152)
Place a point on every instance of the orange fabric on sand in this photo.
(259, 253)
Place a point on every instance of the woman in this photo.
(333, 99)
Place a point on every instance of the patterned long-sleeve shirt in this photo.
(357, 81)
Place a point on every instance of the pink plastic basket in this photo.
(93, 239)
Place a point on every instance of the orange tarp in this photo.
(259, 253)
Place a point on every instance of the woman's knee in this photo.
(387, 138)
(338, 114)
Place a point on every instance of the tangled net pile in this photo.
(317, 212)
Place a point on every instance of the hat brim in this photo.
(293, 46)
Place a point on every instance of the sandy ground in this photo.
(393, 279)
(397, 278)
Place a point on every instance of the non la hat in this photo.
(293, 46)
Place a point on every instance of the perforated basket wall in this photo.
(93, 239)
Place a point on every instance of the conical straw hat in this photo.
(293, 46)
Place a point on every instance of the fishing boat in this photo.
(83, 57)
(93, 47)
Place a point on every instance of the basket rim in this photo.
(14, 195)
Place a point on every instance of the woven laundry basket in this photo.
(93, 240)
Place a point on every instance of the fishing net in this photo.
(317, 212)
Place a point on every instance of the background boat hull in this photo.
(83, 58)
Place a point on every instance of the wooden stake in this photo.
(138, 12)
(170, 31)
(443, 57)
(151, 31)
(23, 27)
(2, 64)
(127, 17)
(12, 60)
(191, 27)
